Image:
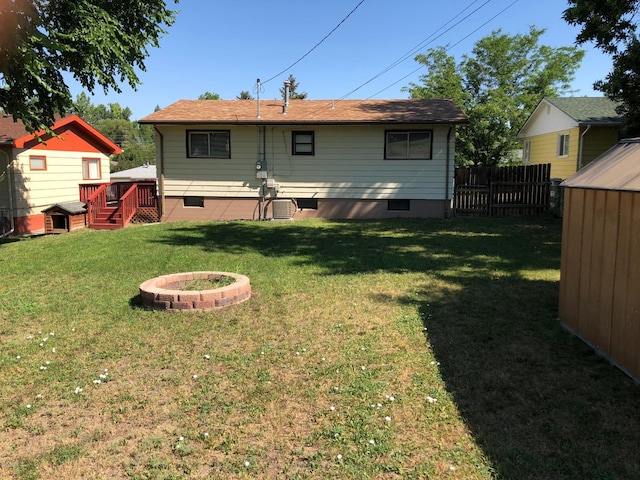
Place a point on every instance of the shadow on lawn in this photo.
(539, 402)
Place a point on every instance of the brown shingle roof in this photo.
(10, 130)
(406, 111)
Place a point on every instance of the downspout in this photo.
(581, 147)
(447, 202)
(161, 174)
(10, 191)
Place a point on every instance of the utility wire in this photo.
(316, 45)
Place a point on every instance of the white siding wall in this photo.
(40, 189)
(348, 163)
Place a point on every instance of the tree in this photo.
(497, 86)
(293, 90)
(612, 26)
(209, 96)
(244, 95)
(101, 44)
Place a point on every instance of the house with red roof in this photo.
(42, 170)
(270, 159)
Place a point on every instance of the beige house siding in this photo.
(348, 164)
(39, 189)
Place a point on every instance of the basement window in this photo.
(197, 202)
(408, 145)
(209, 144)
(307, 203)
(398, 204)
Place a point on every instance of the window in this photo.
(563, 145)
(193, 202)
(209, 144)
(398, 204)
(526, 152)
(91, 169)
(308, 203)
(408, 145)
(303, 143)
(37, 163)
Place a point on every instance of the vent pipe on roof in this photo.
(287, 89)
(258, 96)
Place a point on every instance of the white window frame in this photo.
(526, 152)
(212, 151)
(407, 153)
(563, 145)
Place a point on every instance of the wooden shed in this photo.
(600, 269)
(65, 217)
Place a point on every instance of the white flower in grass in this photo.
(45, 339)
(180, 439)
(29, 337)
(73, 329)
(18, 357)
(97, 382)
(324, 359)
(53, 350)
(392, 398)
(304, 349)
(337, 389)
(195, 376)
(47, 362)
(372, 442)
(388, 419)
(363, 368)
(206, 356)
(39, 395)
(432, 400)
(452, 468)
(41, 344)
(339, 456)
(205, 434)
(103, 376)
(52, 334)
(261, 353)
(42, 367)
(28, 405)
(78, 390)
(247, 463)
(332, 408)
(379, 405)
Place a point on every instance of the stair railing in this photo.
(128, 205)
(95, 203)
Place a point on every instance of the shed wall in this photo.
(600, 272)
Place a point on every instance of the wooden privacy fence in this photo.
(502, 191)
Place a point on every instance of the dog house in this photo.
(65, 217)
(600, 266)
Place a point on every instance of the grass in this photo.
(395, 349)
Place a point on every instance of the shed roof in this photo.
(588, 110)
(143, 172)
(616, 169)
(406, 111)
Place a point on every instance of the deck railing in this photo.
(95, 202)
(128, 205)
(127, 197)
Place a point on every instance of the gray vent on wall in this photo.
(283, 209)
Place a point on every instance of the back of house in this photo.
(244, 159)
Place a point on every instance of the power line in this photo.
(316, 45)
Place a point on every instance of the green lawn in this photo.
(394, 349)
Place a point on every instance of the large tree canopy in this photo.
(612, 26)
(497, 86)
(101, 43)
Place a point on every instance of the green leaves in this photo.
(497, 85)
(101, 43)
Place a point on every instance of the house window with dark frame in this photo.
(209, 144)
(408, 145)
(91, 169)
(37, 162)
(303, 143)
(398, 204)
(193, 202)
(563, 145)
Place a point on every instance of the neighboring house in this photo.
(36, 174)
(142, 173)
(569, 132)
(240, 159)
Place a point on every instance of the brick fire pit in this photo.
(167, 292)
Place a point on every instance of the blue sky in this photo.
(223, 46)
